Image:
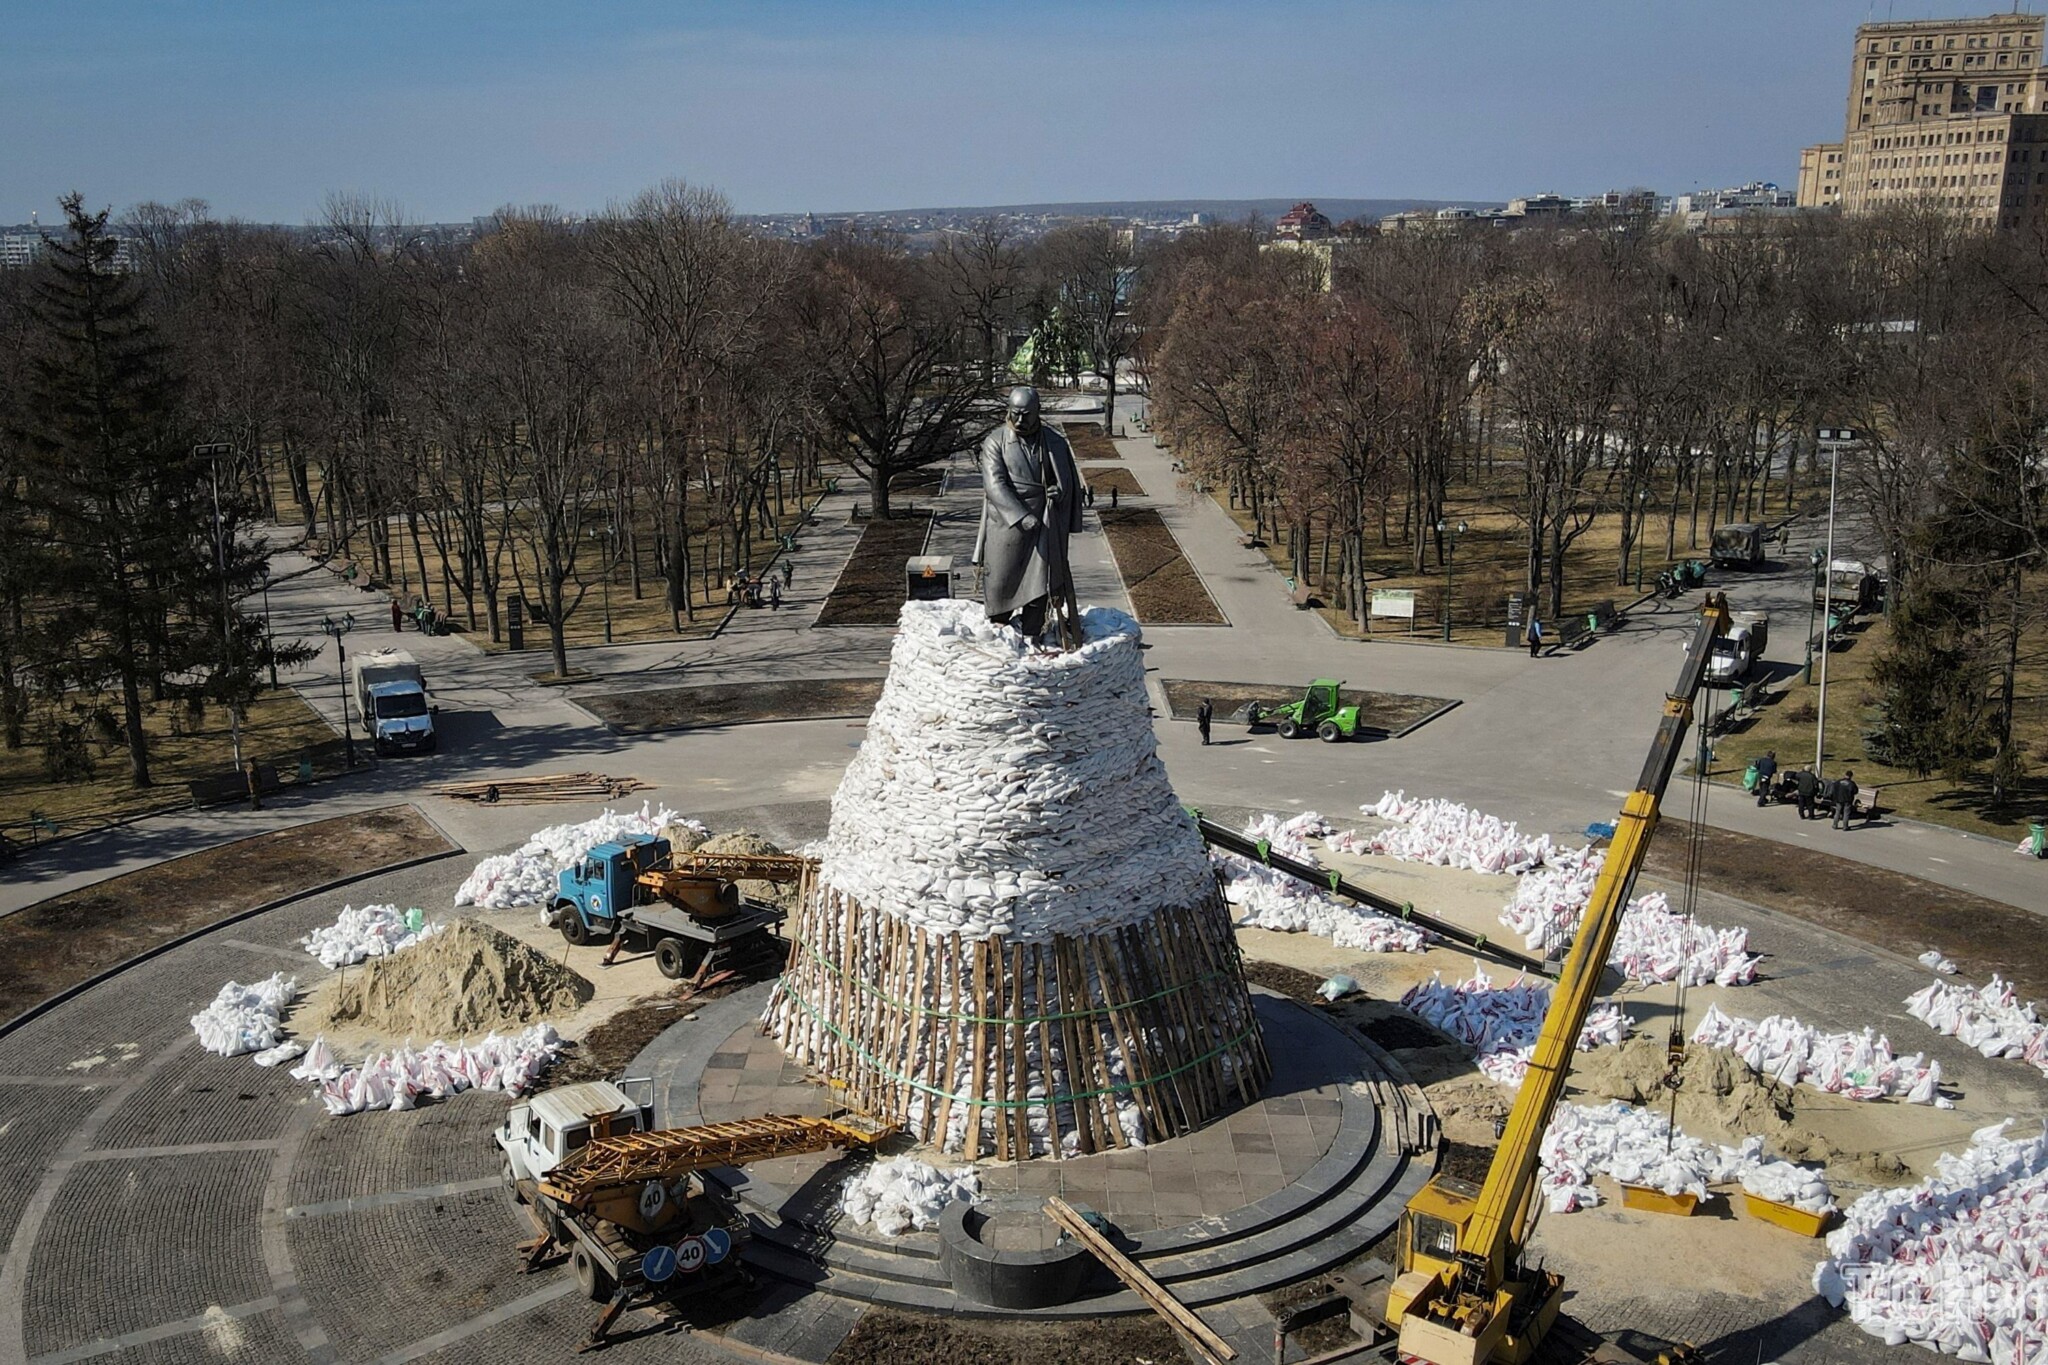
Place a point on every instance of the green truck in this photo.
(1319, 713)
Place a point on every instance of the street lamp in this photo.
(269, 640)
(213, 453)
(1827, 575)
(1450, 537)
(338, 629)
(608, 534)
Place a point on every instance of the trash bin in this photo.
(415, 920)
(2037, 831)
(1749, 777)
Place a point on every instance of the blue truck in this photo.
(687, 909)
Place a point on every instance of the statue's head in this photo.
(1022, 413)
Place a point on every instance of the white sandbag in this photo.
(1859, 1066)
(1990, 1018)
(320, 1064)
(1638, 1146)
(1270, 899)
(245, 1018)
(361, 933)
(279, 1055)
(527, 875)
(398, 1080)
(904, 1195)
(1501, 1023)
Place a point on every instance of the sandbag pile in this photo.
(527, 875)
(1500, 1023)
(399, 1080)
(906, 1195)
(359, 934)
(1655, 943)
(245, 1018)
(1635, 1146)
(1859, 1066)
(1003, 789)
(1446, 834)
(1933, 961)
(1955, 1263)
(1781, 1182)
(1989, 1018)
(1270, 899)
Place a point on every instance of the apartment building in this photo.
(1952, 112)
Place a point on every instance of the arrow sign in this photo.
(658, 1264)
(717, 1244)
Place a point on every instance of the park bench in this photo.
(231, 786)
(1573, 632)
(1303, 597)
(1250, 540)
(1743, 703)
(1866, 803)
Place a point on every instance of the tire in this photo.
(573, 927)
(677, 958)
(432, 745)
(512, 1181)
(1287, 727)
(1329, 732)
(593, 1279)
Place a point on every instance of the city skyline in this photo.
(453, 110)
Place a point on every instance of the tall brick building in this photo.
(1948, 111)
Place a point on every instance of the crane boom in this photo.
(629, 1160)
(1458, 1299)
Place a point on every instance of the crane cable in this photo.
(1695, 856)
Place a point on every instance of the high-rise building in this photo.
(1952, 112)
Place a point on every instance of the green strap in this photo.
(900, 1079)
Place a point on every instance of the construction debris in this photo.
(522, 791)
(905, 1195)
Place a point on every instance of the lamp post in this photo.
(338, 629)
(1450, 535)
(213, 453)
(1827, 575)
(269, 640)
(609, 535)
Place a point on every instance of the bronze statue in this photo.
(1031, 503)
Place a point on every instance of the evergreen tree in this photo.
(123, 551)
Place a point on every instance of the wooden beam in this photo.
(1155, 1295)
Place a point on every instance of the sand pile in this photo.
(468, 979)
(748, 844)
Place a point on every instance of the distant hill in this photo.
(1225, 210)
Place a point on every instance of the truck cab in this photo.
(537, 1135)
(400, 718)
(592, 894)
(1735, 654)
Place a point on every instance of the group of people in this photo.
(425, 617)
(1807, 790)
(765, 586)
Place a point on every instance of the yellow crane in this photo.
(1462, 1294)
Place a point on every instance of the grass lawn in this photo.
(1789, 723)
(1164, 587)
(279, 729)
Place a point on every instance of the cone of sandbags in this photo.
(1014, 944)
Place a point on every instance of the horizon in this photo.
(792, 106)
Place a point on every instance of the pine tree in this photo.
(124, 524)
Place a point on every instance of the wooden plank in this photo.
(999, 1082)
(1042, 1009)
(1156, 1295)
(1020, 1116)
(949, 974)
(1098, 1062)
(1137, 1066)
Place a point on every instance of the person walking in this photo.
(1843, 794)
(397, 617)
(1805, 788)
(775, 594)
(1203, 715)
(1112, 497)
(1766, 774)
(1535, 636)
(1088, 496)
(788, 573)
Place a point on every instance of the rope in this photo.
(920, 1011)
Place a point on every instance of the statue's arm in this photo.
(997, 489)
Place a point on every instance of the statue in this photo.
(1031, 503)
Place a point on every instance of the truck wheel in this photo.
(512, 1181)
(573, 927)
(678, 957)
(1329, 732)
(1287, 726)
(593, 1279)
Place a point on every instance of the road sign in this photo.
(690, 1253)
(1394, 602)
(658, 1264)
(717, 1243)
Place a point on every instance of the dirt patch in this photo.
(1887, 909)
(1388, 715)
(1118, 479)
(870, 588)
(691, 708)
(62, 941)
(607, 1050)
(1090, 441)
(888, 1336)
(1291, 982)
(466, 980)
(1165, 589)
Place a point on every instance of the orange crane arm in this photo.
(609, 1164)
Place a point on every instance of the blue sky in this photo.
(453, 107)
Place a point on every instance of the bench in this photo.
(1866, 803)
(1303, 597)
(215, 791)
(1743, 703)
(1250, 541)
(1573, 631)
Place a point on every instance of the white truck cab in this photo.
(538, 1134)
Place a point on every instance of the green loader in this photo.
(1318, 713)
